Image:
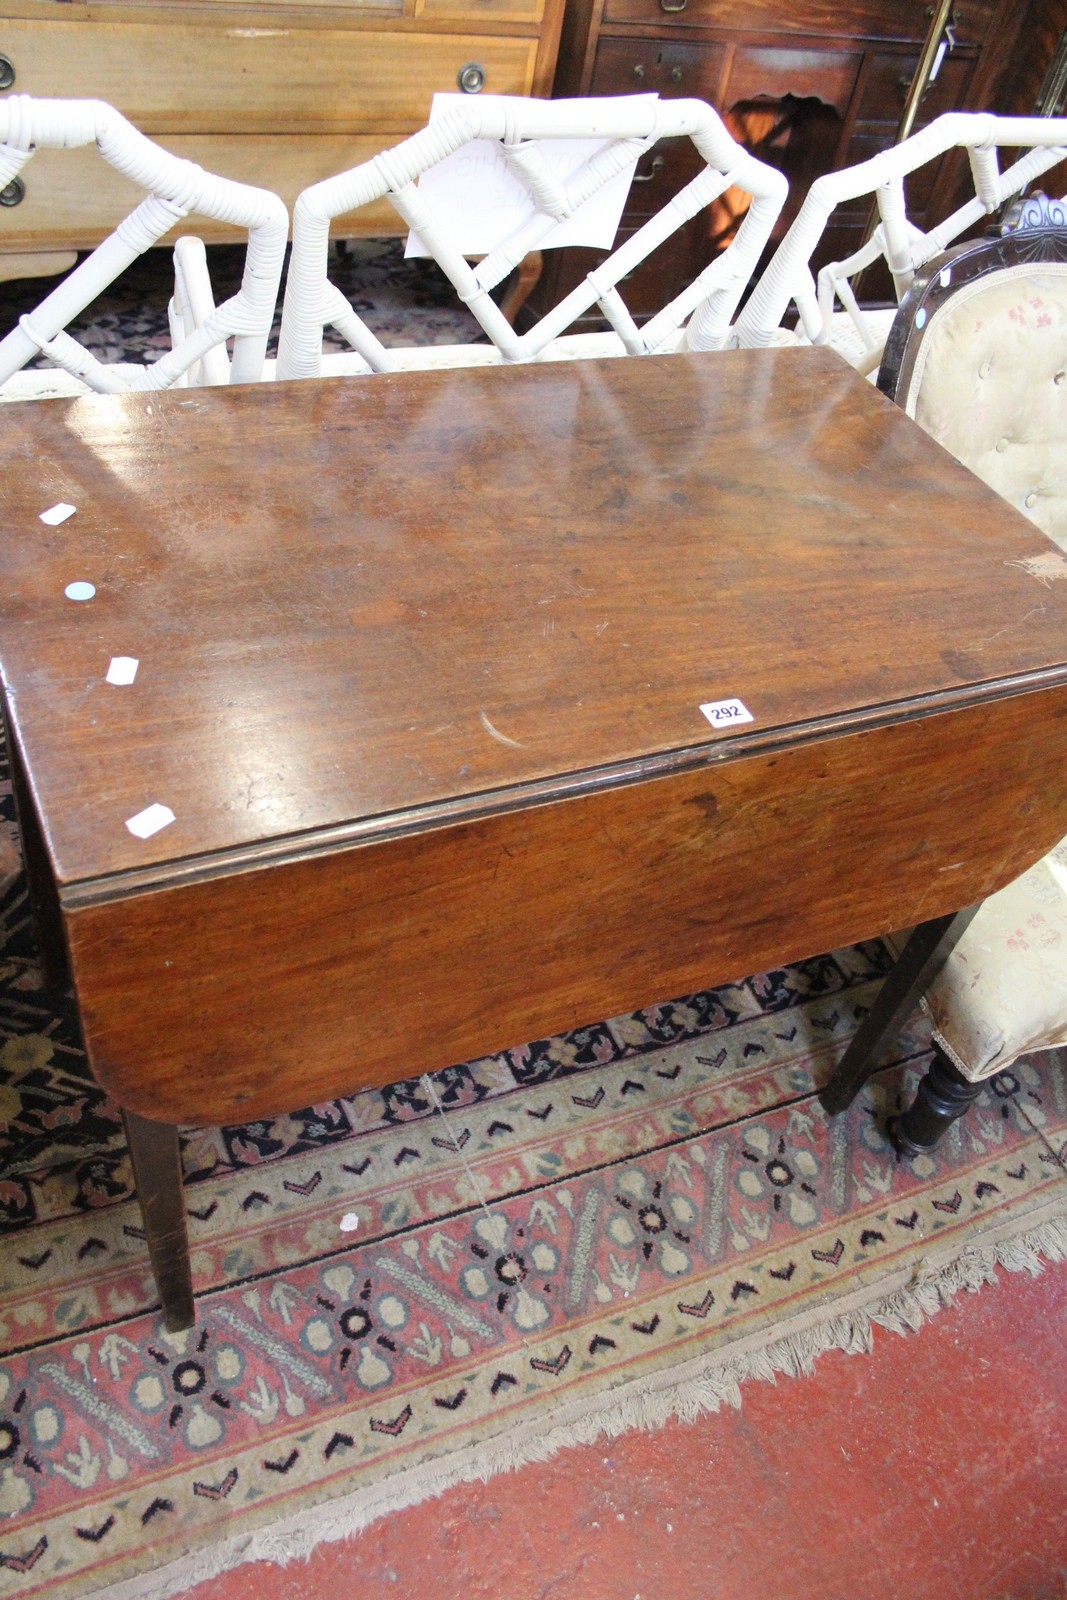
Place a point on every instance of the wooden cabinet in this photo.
(807, 85)
(280, 93)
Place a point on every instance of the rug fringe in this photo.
(684, 1393)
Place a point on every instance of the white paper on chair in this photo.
(485, 202)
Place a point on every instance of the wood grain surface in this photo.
(421, 666)
(171, 78)
(250, 994)
(874, 19)
(356, 600)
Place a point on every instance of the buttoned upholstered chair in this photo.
(175, 188)
(698, 318)
(978, 356)
(860, 334)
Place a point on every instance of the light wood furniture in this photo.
(172, 190)
(422, 662)
(280, 95)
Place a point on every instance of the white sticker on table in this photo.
(123, 669)
(150, 820)
(57, 514)
(727, 713)
(80, 591)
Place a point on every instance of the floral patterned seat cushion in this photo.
(990, 384)
(1003, 991)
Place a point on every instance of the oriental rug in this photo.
(455, 1274)
(405, 301)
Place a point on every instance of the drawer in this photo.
(658, 66)
(826, 75)
(74, 198)
(484, 11)
(918, 186)
(871, 141)
(859, 19)
(659, 176)
(266, 8)
(889, 77)
(272, 80)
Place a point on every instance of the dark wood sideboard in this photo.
(807, 85)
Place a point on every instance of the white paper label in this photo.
(57, 514)
(484, 202)
(150, 820)
(727, 713)
(123, 669)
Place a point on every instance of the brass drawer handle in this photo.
(7, 72)
(656, 166)
(471, 78)
(13, 193)
(673, 5)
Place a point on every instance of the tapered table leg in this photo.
(928, 948)
(157, 1171)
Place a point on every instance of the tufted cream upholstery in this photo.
(1003, 990)
(990, 384)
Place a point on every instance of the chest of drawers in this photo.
(280, 93)
(808, 85)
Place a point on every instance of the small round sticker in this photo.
(79, 591)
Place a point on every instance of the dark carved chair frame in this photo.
(1034, 230)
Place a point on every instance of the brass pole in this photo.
(939, 22)
(921, 79)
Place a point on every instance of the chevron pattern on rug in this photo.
(421, 1282)
(454, 1274)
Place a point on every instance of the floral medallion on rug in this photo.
(427, 1282)
(456, 1274)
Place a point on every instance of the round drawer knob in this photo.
(639, 73)
(13, 193)
(676, 74)
(471, 78)
(7, 72)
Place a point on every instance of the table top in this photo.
(362, 605)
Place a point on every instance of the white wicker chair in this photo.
(860, 336)
(699, 317)
(175, 188)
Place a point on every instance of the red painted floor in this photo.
(933, 1469)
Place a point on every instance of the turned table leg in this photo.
(157, 1171)
(927, 950)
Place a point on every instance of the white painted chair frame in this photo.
(175, 188)
(904, 247)
(700, 316)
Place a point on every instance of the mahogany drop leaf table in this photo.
(421, 662)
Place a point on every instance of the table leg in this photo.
(40, 884)
(157, 1171)
(928, 948)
